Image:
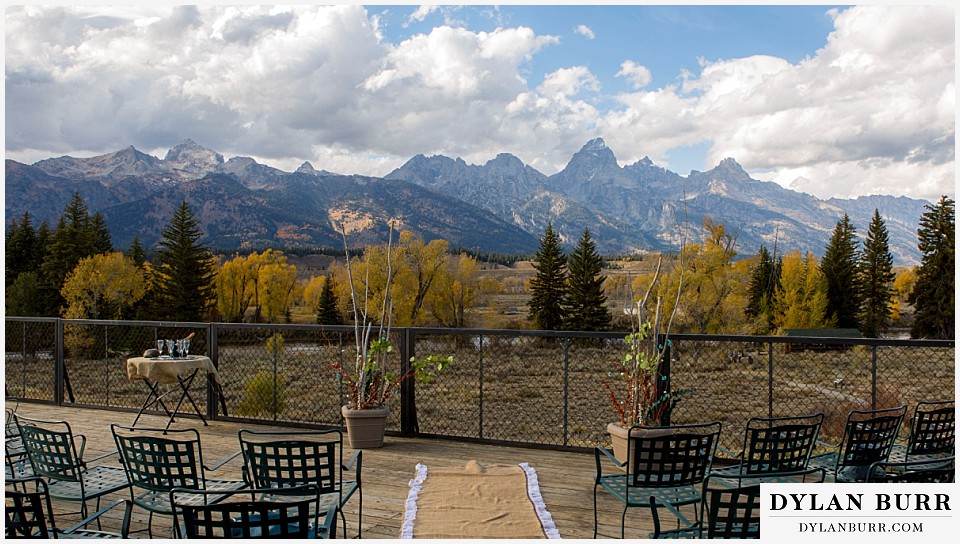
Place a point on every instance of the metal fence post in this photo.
(873, 381)
(480, 378)
(566, 390)
(770, 379)
(212, 352)
(408, 388)
(58, 364)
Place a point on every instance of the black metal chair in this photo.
(15, 456)
(665, 468)
(29, 514)
(776, 449)
(158, 460)
(281, 459)
(868, 437)
(53, 455)
(932, 432)
(727, 512)
(933, 471)
(298, 515)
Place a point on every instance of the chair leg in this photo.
(150, 525)
(623, 522)
(359, 515)
(594, 511)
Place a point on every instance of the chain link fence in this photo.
(539, 388)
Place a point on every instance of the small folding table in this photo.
(176, 373)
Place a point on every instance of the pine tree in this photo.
(933, 295)
(763, 285)
(100, 234)
(876, 278)
(840, 268)
(327, 311)
(71, 241)
(135, 252)
(584, 303)
(21, 249)
(187, 272)
(548, 285)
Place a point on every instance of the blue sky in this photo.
(827, 99)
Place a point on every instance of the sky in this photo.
(831, 100)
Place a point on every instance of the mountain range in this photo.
(502, 206)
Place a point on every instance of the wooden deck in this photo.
(566, 479)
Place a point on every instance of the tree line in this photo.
(74, 271)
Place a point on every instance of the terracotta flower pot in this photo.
(618, 438)
(365, 428)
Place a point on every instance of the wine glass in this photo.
(170, 348)
(185, 350)
(159, 348)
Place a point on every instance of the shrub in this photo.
(259, 394)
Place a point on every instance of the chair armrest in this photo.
(99, 457)
(328, 522)
(600, 450)
(83, 444)
(725, 451)
(124, 529)
(355, 463)
(229, 458)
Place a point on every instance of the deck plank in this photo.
(566, 478)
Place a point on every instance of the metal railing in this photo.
(531, 388)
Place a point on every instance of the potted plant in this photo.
(636, 391)
(371, 384)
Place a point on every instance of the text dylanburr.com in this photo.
(860, 512)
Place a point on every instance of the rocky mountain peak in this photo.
(307, 168)
(193, 159)
(592, 158)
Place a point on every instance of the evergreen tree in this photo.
(186, 280)
(840, 269)
(548, 285)
(583, 304)
(101, 234)
(327, 311)
(763, 285)
(21, 249)
(876, 270)
(71, 241)
(933, 295)
(135, 252)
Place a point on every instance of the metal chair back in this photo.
(933, 428)
(868, 437)
(284, 459)
(732, 512)
(782, 444)
(294, 517)
(160, 460)
(674, 456)
(26, 511)
(51, 448)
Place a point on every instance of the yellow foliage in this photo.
(102, 286)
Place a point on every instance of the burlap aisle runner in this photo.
(476, 502)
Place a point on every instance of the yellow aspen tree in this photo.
(311, 289)
(277, 289)
(456, 290)
(102, 286)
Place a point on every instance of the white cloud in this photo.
(585, 31)
(638, 76)
(872, 110)
(421, 13)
